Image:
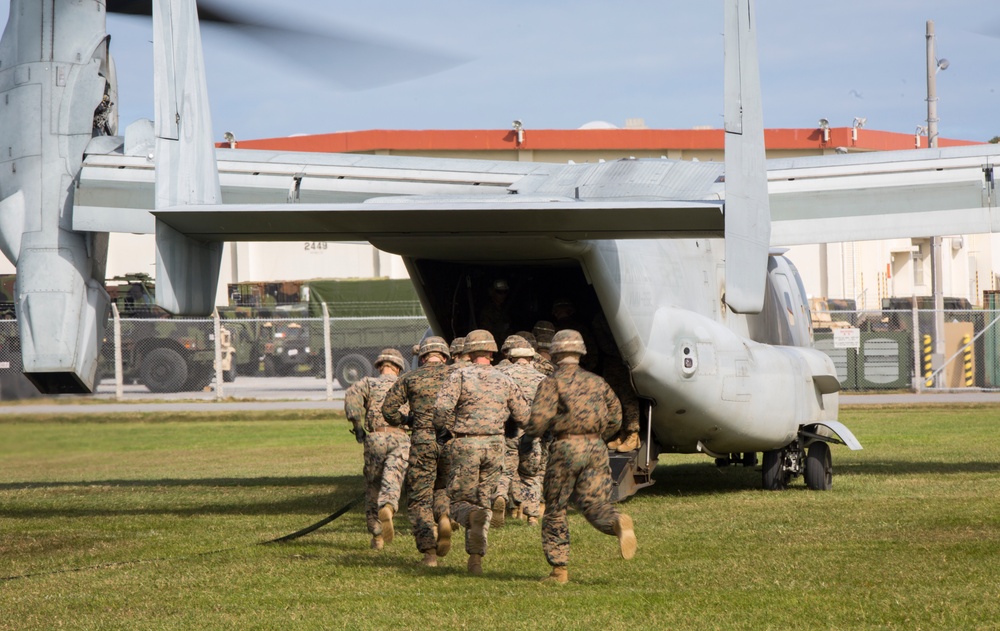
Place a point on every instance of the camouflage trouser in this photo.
(386, 454)
(577, 470)
(617, 376)
(505, 487)
(532, 456)
(476, 462)
(427, 484)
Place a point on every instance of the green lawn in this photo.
(152, 522)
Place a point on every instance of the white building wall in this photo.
(258, 261)
(864, 271)
(867, 271)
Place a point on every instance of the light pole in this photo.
(937, 276)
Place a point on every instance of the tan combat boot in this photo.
(477, 529)
(559, 575)
(377, 542)
(532, 520)
(626, 536)
(499, 512)
(614, 444)
(516, 512)
(430, 559)
(631, 443)
(475, 564)
(385, 516)
(444, 536)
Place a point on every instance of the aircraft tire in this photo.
(819, 467)
(163, 370)
(774, 477)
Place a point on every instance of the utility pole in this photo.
(937, 275)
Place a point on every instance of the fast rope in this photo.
(289, 537)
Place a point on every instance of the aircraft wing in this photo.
(561, 218)
(883, 195)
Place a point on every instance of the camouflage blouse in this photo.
(363, 401)
(574, 401)
(419, 388)
(477, 399)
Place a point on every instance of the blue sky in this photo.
(561, 64)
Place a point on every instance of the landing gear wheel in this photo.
(352, 368)
(819, 467)
(774, 476)
(163, 370)
(749, 459)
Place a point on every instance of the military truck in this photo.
(160, 351)
(366, 315)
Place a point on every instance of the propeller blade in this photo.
(352, 60)
(145, 7)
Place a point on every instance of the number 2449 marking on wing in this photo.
(315, 245)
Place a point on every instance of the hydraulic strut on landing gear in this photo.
(808, 455)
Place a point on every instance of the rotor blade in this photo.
(145, 7)
(354, 61)
(350, 59)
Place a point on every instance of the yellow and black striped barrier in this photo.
(928, 363)
(967, 357)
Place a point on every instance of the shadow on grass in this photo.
(172, 482)
(706, 478)
(334, 492)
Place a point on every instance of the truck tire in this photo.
(163, 370)
(199, 376)
(351, 368)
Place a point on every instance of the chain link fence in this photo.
(896, 349)
(890, 349)
(177, 355)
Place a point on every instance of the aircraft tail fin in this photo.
(748, 218)
(186, 169)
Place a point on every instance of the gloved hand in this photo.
(359, 432)
(408, 420)
(443, 436)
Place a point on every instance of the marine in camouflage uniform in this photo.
(387, 448)
(473, 405)
(458, 354)
(533, 453)
(543, 332)
(429, 471)
(519, 353)
(616, 373)
(581, 411)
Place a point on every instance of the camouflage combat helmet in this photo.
(568, 341)
(528, 337)
(434, 344)
(516, 346)
(543, 328)
(457, 346)
(391, 356)
(480, 340)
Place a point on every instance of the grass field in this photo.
(143, 522)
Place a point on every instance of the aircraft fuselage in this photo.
(720, 382)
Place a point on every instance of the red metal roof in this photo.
(582, 140)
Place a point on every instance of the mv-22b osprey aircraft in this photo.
(677, 257)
